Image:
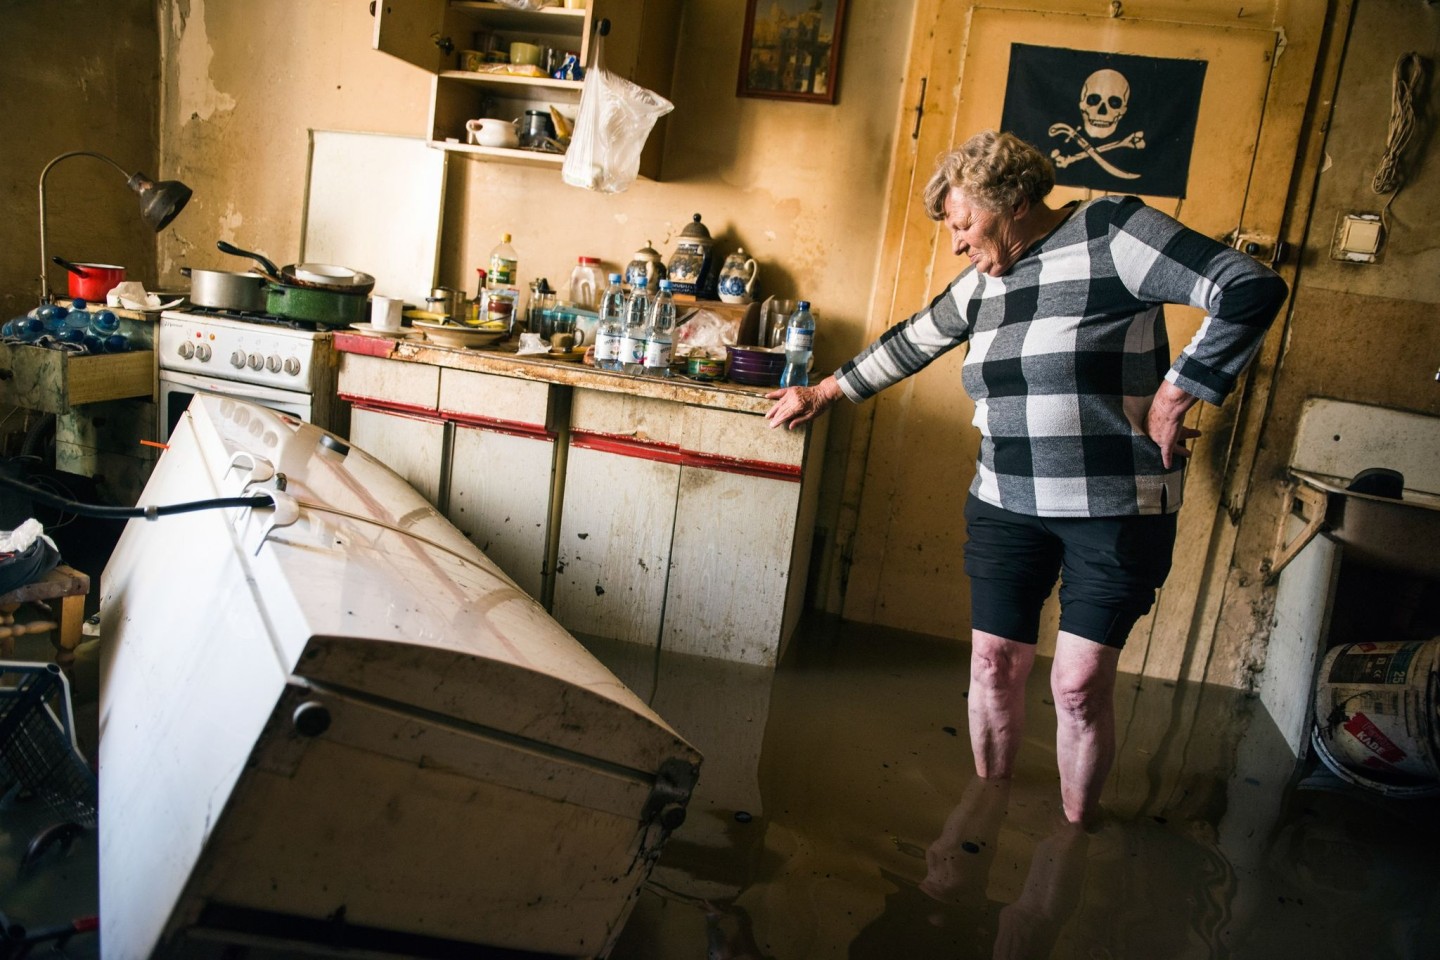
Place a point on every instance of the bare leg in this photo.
(1082, 681)
(998, 668)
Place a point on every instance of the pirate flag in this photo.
(1108, 121)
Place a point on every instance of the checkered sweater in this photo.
(1068, 348)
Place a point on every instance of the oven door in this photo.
(178, 389)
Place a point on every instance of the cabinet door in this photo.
(730, 565)
(412, 446)
(614, 550)
(500, 498)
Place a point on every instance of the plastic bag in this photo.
(615, 117)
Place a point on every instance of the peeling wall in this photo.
(74, 75)
(1368, 333)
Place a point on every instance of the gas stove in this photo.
(284, 364)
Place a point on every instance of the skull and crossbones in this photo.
(1104, 99)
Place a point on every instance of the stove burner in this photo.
(247, 316)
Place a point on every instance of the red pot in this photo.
(99, 279)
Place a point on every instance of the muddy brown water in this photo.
(838, 815)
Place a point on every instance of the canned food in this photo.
(700, 367)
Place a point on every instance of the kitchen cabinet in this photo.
(432, 35)
(656, 512)
(476, 446)
(685, 526)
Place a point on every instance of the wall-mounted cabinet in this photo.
(434, 34)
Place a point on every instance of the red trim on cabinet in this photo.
(515, 428)
(672, 453)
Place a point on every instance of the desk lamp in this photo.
(159, 203)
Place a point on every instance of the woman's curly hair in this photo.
(994, 170)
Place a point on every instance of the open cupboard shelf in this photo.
(432, 34)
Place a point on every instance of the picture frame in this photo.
(791, 50)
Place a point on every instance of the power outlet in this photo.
(1359, 238)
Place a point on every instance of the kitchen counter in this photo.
(648, 510)
(504, 361)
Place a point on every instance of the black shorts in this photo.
(1112, 567)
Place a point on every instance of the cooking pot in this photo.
(352, 281)
(325, 307)
(223, 290)
(91, 281)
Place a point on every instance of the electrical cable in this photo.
(124, 513)
(1407, 80)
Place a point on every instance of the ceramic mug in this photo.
(564, 341)
(489, 132)
(385, 313)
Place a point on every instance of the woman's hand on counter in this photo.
(795, 406)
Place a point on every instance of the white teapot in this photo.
(737, 278)
(488, 132)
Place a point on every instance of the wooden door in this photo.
(907, 560)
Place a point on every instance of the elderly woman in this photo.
(1080, 412)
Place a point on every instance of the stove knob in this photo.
(237, 359)
(272, 363)
(255, 361)
(186, 351)
(202, 352)
(292, 366)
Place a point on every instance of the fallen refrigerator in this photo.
(331, 725)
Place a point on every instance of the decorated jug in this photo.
(645, 265)
(737, 278)
(692, 265)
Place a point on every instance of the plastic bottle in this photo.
(658, 332)
(799, 345)
(105, 327)
(504, 264)
(585, 282)
(632, 342)
(611, 326)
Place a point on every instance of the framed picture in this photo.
(791, 50)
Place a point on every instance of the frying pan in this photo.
(361, 284)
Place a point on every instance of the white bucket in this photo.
(1377, 715)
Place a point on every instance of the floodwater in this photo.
(838, 815)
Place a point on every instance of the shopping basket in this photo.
(37, 742)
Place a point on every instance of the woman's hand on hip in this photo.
(1165, 423)
(798, 405)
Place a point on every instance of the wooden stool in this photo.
(66, 584)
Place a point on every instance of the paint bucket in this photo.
(1377, 716)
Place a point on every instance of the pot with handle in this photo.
(324, 307)
(223, 290)
(91, 281)
(352, 281)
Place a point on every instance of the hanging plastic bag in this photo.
(614, 119)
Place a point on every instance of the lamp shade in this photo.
(159, 202)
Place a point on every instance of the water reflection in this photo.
(838, 815)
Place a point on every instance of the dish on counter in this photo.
(454, 335)
(370, 330)
(572, 355)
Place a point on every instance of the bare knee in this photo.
(1000, 666)
(1083, 706)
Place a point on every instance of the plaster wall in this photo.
(74, 75)
(1368, 333)
(799, 185)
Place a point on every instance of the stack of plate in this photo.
(755, 366)
(456, 335)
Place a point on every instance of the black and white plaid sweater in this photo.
(1068, 348)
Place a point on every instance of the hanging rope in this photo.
(1407, 80)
